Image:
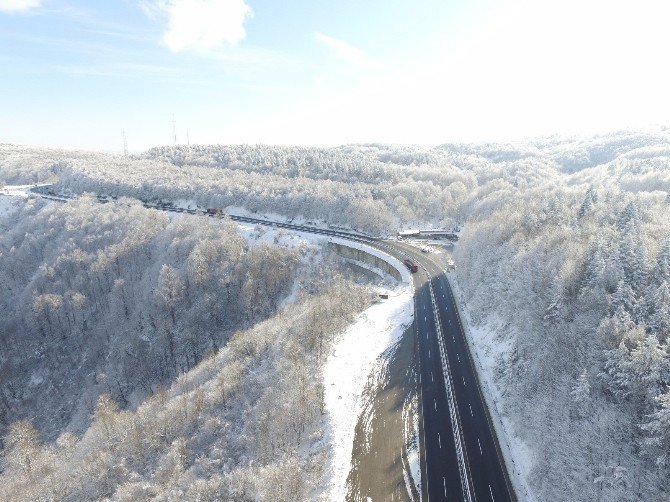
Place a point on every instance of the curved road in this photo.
(461, 457)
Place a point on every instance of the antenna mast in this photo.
(188, 140)
(174, 131)
(125, 144)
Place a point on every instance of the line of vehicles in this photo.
(336, 230)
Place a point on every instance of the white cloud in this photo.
(347, 52)
(18, 5)
(201, 24)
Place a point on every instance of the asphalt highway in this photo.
(486, 475)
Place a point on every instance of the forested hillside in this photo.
(573, 277)
(564, 256)
(133, 362)
(117, 299)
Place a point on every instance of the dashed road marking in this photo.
(480, 447)
(471, 414)
(491, 492)
(435, 404)
(464, 384)
(439, 440)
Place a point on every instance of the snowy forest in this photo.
(564, 255)
(106, 308)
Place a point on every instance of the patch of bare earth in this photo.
(380, 467)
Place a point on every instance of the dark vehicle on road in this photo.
(411, 265)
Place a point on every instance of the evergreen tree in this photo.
(590, 199)
(658, 428)
(616, 375)
(662, 271)
(594, 266)
(632, 256)
(659, 319)
(629, 217)
(649, 366)
(623, 298)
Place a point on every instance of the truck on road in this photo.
(413, 267)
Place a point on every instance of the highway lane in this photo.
(487, 474)
(440, 464)
(483, 476)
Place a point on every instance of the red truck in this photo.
(411, 265)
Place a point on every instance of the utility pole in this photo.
(174, 131)
(125, 144)
(188, 140)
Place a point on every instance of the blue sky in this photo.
(76, 74)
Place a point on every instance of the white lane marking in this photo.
(453, 338)
(464, 384)
(470, 406)
(431, 377)
(444, 482)
(428, 353)
(425, 318)
(491, 492)
(435, 403)
(480, 447)
(439, 440)
(451, 401)
(458, 357)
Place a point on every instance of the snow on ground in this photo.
(430, 246)
(355, 354)
(488, 348)
(9, 196)
(412, 472)
(354, 357)
(17, 190)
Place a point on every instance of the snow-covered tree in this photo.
(658, 428)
